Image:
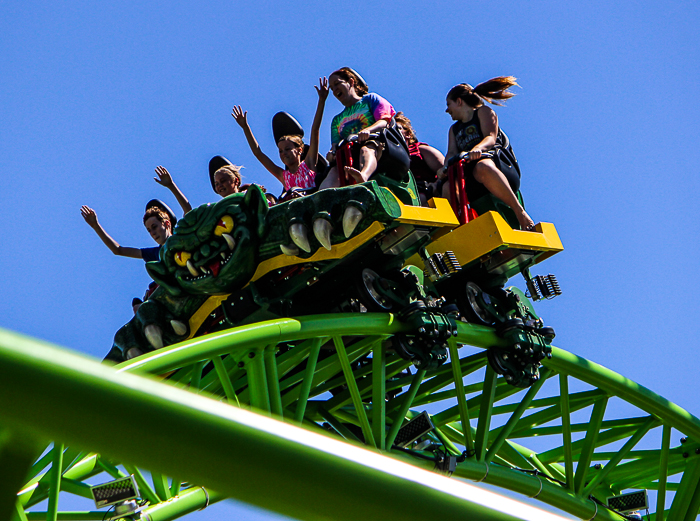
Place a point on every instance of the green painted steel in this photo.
(285, 368)
(334, 473)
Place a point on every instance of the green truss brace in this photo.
(269, 382)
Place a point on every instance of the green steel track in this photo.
(580, 434)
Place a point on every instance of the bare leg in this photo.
(368, 164)
(446, 190)
(331, 180)
(492, 178)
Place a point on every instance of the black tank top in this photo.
(467, 135)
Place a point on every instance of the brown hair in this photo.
(154, 211)
(347, 74)
(297, 140)
(493, 90)
(248, 185)
(402, 120)
(233, 171)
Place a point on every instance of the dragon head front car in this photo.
(213, 249)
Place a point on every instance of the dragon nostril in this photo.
(206, 251)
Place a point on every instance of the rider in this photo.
(426, 162)
(364, 114)
(475, 132)
(299, 171)
(157, 221)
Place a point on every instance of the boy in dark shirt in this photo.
(159, 223)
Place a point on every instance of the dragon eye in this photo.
(225, 225)
(181, 258)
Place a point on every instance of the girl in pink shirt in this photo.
(300, 172)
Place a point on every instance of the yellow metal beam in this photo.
(490, 232)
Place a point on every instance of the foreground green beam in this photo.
(273, 465)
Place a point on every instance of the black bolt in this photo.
(685, 454)
(684, 439)
(251, 355)
(240, 364)
(697, 451)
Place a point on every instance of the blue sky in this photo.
(94, 96)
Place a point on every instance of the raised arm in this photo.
(242, 119)
(312, 155)
(165, 179)
(91, 218)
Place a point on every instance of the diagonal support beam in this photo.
(589, 444)
(505, 431)
(484, 423)
(619, 456)
(566, 430)
(461, 398)
(663, 472)
(354, 391)
(308, 378)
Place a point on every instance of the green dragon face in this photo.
(213, 249)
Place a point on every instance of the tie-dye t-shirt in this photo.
(370, 109)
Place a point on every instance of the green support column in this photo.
(354, 391)
(308, 379)
(505, 431)
(663, 472)
(406, 399)
(273, 383)
(589, 444)
(55, 482)
(379, 394)
(687, 489)
(485, 409)
(461, 399)
(566, 430)
(257, 381)
(225, 381)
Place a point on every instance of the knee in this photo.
(484, 170)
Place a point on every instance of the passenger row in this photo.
(364, 119)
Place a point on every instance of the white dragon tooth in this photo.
(299, 235)
(322, 231)
(223, 256)
(352, 216)
(154, 336)
(292, 251)
(229, 240)
(133, 353)
(179, 328)
(193, 270)
(204, 270)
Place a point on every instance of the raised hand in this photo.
(164, 178)
(240, 116)
(322, 90)
(89, 215)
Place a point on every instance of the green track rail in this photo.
(316, 371)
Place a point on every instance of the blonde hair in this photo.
(297, 140)
(233, 171)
